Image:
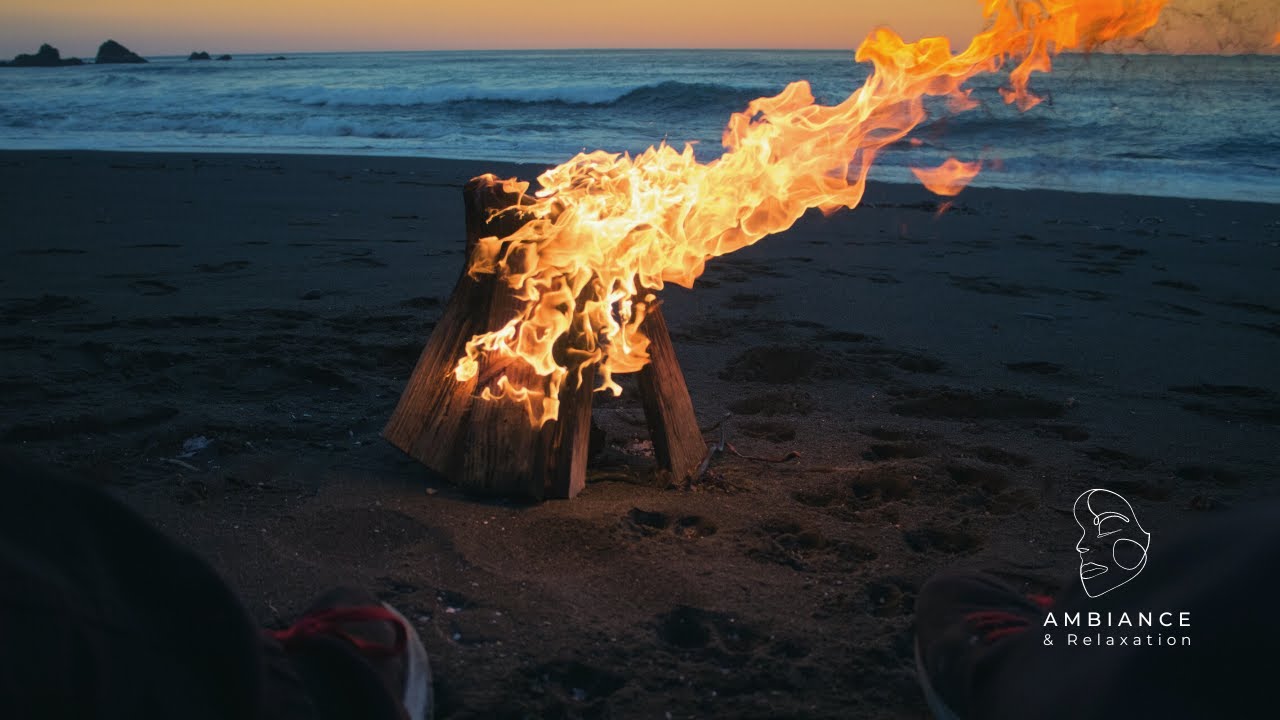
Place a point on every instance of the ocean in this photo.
(1183, 126)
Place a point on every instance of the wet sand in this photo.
(219, 339)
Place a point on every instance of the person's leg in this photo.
(103, 616)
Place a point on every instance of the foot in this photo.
(355, 651)
(963, 620)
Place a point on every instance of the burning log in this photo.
(492, 447)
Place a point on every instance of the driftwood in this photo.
(490, 447)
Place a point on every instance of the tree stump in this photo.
(490, 447)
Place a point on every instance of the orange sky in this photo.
(157, 27)
(165, 27)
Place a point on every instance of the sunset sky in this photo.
(169, 27)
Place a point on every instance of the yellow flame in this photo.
(606, 230)
(949, 178)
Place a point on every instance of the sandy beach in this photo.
(219, 339)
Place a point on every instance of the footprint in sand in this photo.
(873, 485)
(1070, 433)
(787, 542)
(1035, 367)
(152, 287)
(775, 364)
(748, 301)
(29, 308)
(773, 431)
(226, 267)
(952, 404)
(1177, 285)
(51, 251)
(782, 364)
(774, 403)
(693, 629)
(998, 456)
(891, 597)
(688, 527)
(954, 539)
(575, 681)
(989, 480)
(1241, 403)
(1210, 474)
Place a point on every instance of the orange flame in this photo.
(606, 230)
(949, 178)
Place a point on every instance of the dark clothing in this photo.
(102, 616)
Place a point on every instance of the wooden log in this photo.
(503, 454)
(434, 409)
(668, 411)
(567, 465)
(488, 447)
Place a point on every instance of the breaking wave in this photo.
(665, 95)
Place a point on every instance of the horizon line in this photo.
(1260, 52)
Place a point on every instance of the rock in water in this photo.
(202, 55)
(224, 57)
(46, 56)
(113, 52)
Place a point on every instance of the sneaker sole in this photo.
(936, 705)
(417, 684)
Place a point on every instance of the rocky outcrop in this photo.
(223, 57)
(201, 55)
(113, 52)
(46, 56)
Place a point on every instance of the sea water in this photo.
(1189, 126)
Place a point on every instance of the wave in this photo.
(111, 80)
(1253, 148)
(231, 126)
(1139, 155)
(664, 95)
(403, 96)
(998, 123)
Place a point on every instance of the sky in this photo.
(172, 27)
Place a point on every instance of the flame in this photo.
(607, 230)
(949, 178)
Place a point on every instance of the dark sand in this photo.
(952, 383)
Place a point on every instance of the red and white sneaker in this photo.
(359, 657)
(963, 621)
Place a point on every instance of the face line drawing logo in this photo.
(1113, 545)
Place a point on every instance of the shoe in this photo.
(963, 620)
(356, 652)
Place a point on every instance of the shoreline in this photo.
(977, 185)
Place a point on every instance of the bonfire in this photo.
(567, 276)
